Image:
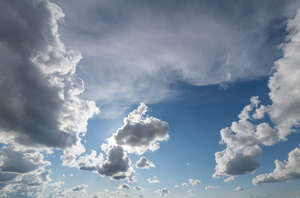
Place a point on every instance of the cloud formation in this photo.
(144, 163)
(40, 104)
(284, 171)
(140, 132)
(156, 47)
(117, 165)
(152, 180)
(163, 191)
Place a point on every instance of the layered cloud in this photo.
(159, 44)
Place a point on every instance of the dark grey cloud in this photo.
(144, 163)
(124, 187)
(163, 191)
(139, 132)
(241, 165)
(81, 187)
(38, 87)
(117, 165)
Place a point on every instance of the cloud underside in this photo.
(245, 137)
(158, 45)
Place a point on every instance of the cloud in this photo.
(144, 163)
(40, 104)
(210, 188)
(284, 171)
(243, 138)
(194, 182)
(152, 180)
(139, 132)
(156, 47)
(242, 141)
(163, 191)
(117, 165)
(184, 184)
(138, 188)
(79, 188)
(22, 172)
(239, 189)
(283, 84)
(124, 187)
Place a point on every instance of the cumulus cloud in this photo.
(117, 164)
(243, 138)
(124, 187)
(163, 191)
(194, 182)
(144, 163)
(242, 142)
(210, 187)
(138, 188)
(79, 188)
(139, 132)
(40, 104)
(184, 184)
(154, 179)
(284, 171)
(22, 171)
(239, 189)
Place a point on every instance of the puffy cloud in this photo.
(40, 104)
(239, 188)
(184, 184)
(22, 172)
(284, 84)
(79, 188)
(138, 188)
(243, 138)
(163, 191)
(139, 132)
(194, 182)
(154, 179)
(90, 162)
(117, 165)
(242, 141)
(284, 171)
(144, 163)
(210, 187)
(124, 187)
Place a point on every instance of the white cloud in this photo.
(210, 187)
(144, 163)
(184, 184)
(154, 179)
(239, 189)
(140, 132)
(284, 171)
(194, 182)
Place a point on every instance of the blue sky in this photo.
(147, 99)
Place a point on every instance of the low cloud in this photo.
(284, 171)
(139, 132)
(163, 191)
(144, 163)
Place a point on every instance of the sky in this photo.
(149, 98)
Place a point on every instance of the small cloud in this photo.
(239, 189)
(154, 179)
